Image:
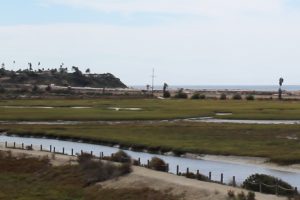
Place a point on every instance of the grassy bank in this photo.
(278, 142)
(150, 109)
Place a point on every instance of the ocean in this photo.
(226, 87)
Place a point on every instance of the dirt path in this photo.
(142, 177)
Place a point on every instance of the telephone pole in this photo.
(153, 77)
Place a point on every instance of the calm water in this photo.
(228, 87)
(241, 171)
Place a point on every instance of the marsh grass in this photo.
(151, 109)
(269, 141)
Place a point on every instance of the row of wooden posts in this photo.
(101, 156)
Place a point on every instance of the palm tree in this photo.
(281, 80)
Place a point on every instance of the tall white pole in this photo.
(153, 76)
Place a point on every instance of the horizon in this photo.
(194, 42)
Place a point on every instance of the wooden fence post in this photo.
(31, 146)
(148, 163)
(222, 178)
(139, 161)
(5, 144)
(50, 148)
(91, 153)
(260, 187)
(41, 147)
(233, 181)
(197, 172)
(63, 150)
(187, 171)
(53, 149)
(81, 152)
(22, 145)
(167, 170)
(177, 170)
(72, 152)
(14, 145)
(209, 176)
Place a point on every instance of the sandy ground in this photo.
(142, 177)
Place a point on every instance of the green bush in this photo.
(250, 97)
(199, 176)
(181, 95)
(253, 181)
(195, 96)
(223, 96)
(121, 157)
(167, 94)
(158, 164)
(237, 96)
(198, 96)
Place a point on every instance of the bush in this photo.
(195, 96)
(250, 97)
(158, 164)
(181, 95)
(223, 96)
(251, 196)
(241, 196)
(95, 170)
(253, 181)
(2, 89)
(231, 194)
(198, 96)
(121, 157)
(237, 96)
(199, 177)
(167, 94)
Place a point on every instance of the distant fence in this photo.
(187, 172)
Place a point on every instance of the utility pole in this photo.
(153, 77)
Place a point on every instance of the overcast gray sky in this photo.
(188, 42)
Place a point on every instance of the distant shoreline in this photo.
(266, 88)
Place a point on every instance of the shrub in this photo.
(199, 176)
(121, 157)
(251, 196)
(237, 96)
(250, 97)
(241, 196)
(198, 96)
(181, 95)
(48, 88)
(195, 96)
(253, 181)
(231, 194)
(95, 170)
(2, 89)
(223, 96)
(158, 164)
(167, 94)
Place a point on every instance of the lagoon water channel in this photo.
(240, 171)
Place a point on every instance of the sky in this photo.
(188, 42)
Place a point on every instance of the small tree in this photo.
(87, 71)
(237, 96)
(250, 97)
(223, 96)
